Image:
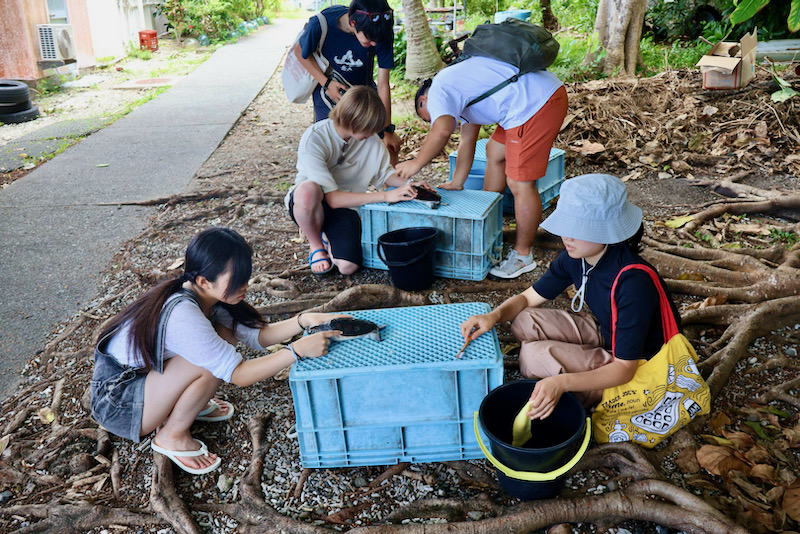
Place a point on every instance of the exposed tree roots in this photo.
(753, 292)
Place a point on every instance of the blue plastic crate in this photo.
(406, 398)
(471, 224)
(549, 185)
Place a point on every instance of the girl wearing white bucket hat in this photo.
(601, 232)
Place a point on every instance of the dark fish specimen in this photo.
(350, 328)
(431, 198)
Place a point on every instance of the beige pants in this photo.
(555, 341)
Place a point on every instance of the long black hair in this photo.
(209, 254)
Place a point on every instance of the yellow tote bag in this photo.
(666, 392)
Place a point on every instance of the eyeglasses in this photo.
(345, 146)
(375, 16)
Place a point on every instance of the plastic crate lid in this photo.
(465, 204)
(414, 337)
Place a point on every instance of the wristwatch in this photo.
(390, 128)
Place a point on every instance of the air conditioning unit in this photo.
(56, 42)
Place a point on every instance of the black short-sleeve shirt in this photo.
(639, 331)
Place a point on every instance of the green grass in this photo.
(138, 53)
(130, 106)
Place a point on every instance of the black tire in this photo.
(20, 116)
(13, 92)
(5, 109)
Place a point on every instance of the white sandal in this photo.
(214, 405)
(173, 455)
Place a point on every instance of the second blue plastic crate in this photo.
(407, 398)
(549, 185)
(471, 224)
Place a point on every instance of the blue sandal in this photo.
(312, 261)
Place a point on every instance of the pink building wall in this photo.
(19, 42)
(79, 18)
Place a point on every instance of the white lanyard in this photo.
(579, 296)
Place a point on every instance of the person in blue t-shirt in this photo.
(601, 231)
(356, 35)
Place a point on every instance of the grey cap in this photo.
(594, 208)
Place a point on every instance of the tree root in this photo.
(632, 503)
(66, 518)
(165, 500)
(369, 296)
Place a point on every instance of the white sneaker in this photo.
(514, 265)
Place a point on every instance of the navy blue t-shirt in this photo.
(639, 331)
(345, 53)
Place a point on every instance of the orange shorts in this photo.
(528, 146)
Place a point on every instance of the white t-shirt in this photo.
(191, 335)
(365, 162)
(453, 87)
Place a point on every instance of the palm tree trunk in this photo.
(422, 57)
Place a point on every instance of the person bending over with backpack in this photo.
(355, 35)
(158, 363)
(338, 159)
(529, 113)
(601, 232)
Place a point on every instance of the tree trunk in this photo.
(619, 27)
(422, 57)
(549, 20)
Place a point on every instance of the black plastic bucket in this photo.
(535, 470)
(409, 253)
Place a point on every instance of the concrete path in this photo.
(60, 227)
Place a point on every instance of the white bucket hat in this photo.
(594, 208)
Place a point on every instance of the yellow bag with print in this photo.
(666, 392)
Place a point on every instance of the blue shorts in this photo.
(117, 396)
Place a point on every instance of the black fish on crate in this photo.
(350, 328)
(428, 197)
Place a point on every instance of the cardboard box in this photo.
(729, 65)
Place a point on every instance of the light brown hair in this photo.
(360, 110)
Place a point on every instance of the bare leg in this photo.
(494, 179)
(527, 212)
(527, 202)
(309, 216)
(174, 398)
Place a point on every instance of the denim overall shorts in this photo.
(117, 389)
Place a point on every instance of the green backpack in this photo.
(526, 46)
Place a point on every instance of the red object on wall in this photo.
(148, 39)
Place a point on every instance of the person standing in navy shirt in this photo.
(356, 35)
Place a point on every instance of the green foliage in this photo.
(399, 47)
(772, 22)
(747, 9)
(50, 85)
(787, 237)
(677, 55)
(216, 18)
(569, 66)
(575, 15)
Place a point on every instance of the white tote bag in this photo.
(297, 81)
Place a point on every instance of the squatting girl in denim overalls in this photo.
(158, 364)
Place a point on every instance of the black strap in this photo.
(492, 91)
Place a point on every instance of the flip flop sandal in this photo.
(312, 261)
(214, 405)
(173, 455)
